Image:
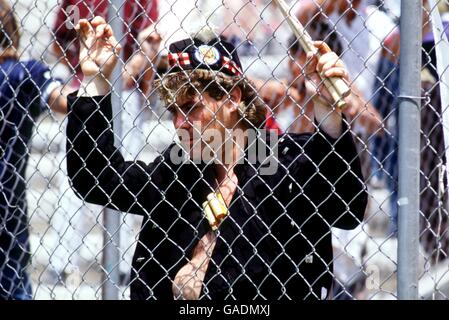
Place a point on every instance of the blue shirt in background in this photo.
(25, 87)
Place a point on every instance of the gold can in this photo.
(213, 222)
(218, 207)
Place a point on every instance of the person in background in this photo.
(27, 89)
(139, 16)
(140, 46)
(433, 197)
(293, 108)
(360, 45)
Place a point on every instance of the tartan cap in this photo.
(216, 54)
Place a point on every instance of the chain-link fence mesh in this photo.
(77, 222)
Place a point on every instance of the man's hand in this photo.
(99, 50)
(328, 65)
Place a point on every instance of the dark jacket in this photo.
(276, 242)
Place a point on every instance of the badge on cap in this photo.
(207, 55)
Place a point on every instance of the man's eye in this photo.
(195, 106)
(171, 108)
(188, 108)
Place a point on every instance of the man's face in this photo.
(203, 122)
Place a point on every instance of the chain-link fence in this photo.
(210, 163)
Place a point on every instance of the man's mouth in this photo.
(190, 142)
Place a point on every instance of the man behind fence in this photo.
(216, 225)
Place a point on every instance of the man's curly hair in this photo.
(217, 84)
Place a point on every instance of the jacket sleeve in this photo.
(335, 181)
(97, 170)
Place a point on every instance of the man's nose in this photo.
(181, 121)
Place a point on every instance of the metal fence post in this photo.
(111, 218)
(409, 148)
